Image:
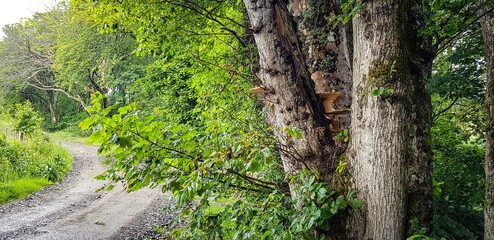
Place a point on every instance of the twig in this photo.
(437, 115)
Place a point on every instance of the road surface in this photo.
(74, 210)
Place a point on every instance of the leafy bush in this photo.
(27, 165)
(458, 168)
(66, 122)
(33, 159)
(27, 120)
(222, 160)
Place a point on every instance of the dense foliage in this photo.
(171, 107)
(458, 158)
(457, 138)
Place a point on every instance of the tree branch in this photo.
(447, 41)
(255, 181)
(44, 88)
(437, 115)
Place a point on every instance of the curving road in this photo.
(73, 210)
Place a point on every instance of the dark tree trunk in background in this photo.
(487, 24)
(301, 55)
(92, 77)
(326, 49)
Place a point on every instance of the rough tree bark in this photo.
(390, 156)
(290, 94)
(487, 24)
(52, 105)
(301, 55)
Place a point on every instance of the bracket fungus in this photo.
(328, 101)
(259, 89)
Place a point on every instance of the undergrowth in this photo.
(29, 160)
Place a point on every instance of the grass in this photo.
(67, 135)
(20, 188)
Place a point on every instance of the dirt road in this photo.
(73, 210)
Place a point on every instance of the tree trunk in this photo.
(290, 94)
(487, 24)
(93, 74)
(326, 49)
(390, 155)
(52, 105)
(390, 158)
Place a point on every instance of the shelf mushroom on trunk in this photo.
(259, 89)
(328, 102)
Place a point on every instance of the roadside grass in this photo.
(20, 188)
(29, 165)
(69, 134)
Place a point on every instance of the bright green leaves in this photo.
(457, 85)
(26, 119)
(341, 167)
(166, 91)
(221, 162)
(318, 203)
(86, 123)
(349, 8)
(344, 134)
(194, 129)
(458, 186)
(459, 70)
(436, 188)
(33, 157)
(382, 92)
(88, 61)
(291, 133)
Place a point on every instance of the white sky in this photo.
(11, 11)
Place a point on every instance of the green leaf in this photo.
(377, 92)
(110, 187)
(347, 18)
(266, 235)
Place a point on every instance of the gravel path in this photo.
(73, 210)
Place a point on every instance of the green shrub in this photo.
(6, 170)
(29, 164)
(27, 120)
(55, 168)
(458, 165)
(66, 123)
